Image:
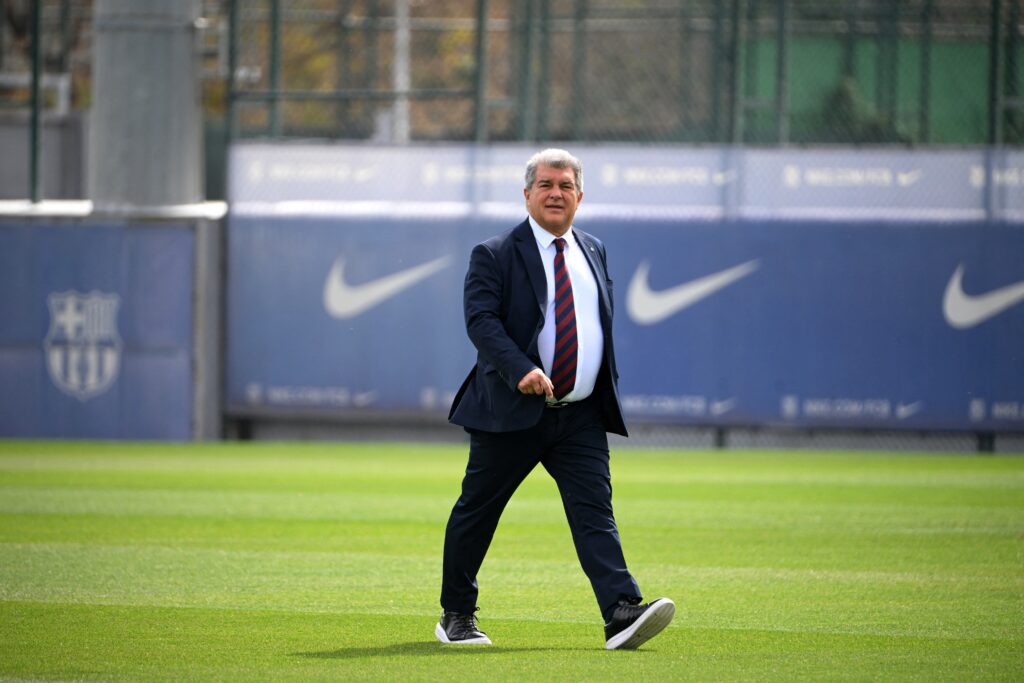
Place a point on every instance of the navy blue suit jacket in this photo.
(504, 303)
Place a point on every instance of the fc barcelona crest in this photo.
(83, 349)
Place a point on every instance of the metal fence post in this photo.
(527, 91)
(925, 93)
(781, 76)
(544, 75)
(995, 79)
(579, 53)
(342, 75)
(371, 38)
(274, 119)
(745, 77)
(229, 81)
(850, 41)
(401, 78)
(1012, 104)
(480, 85)
(3, 50)
(734, 119)
(888, 64)
(685, 89)
(35, 192)
(717, 74)
(65, 35)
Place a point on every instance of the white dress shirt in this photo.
(589, 336)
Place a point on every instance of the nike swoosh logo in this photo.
(647, 307)
(905, 410)
(908, 178)
(964, 310)
(722, 407)
(343, 300)
(364, 398)
(723, 177)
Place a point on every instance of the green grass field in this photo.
(322, 562)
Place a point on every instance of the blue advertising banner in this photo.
(737, 303)
(883, 325)
(718, 322)
(335, 313)
(827, 184)
(97, 334)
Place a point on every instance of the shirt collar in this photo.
(545, 238)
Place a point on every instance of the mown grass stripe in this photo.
(321, 561)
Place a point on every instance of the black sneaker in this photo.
(456, 628)
(633, 625)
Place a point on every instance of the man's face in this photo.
(553, 198)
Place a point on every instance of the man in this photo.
(538, 307)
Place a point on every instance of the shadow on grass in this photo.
(425, 649)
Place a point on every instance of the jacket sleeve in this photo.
(482, 304)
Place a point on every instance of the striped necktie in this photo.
(563, 368)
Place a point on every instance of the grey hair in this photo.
(555, 158)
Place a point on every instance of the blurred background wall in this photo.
(839, 154)
(761, 72)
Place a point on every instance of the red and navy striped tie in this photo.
(563, 368)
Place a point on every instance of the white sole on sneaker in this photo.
(443, 637)
(651, 623)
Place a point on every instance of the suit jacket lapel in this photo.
(597, 268)
(527, 245)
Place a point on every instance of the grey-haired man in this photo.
(538, 308)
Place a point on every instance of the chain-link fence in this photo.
(693, 71)
(46, 91)
(751, 72)
(63, 53)
(764, 72)
(43, 89)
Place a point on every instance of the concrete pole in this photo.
(145, 127)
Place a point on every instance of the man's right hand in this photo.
(536, 382)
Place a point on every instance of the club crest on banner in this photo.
(83, 349)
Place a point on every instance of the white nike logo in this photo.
(908, 178)
(963, 310)
(364, 398)
(723, 177)
(719, 408)
(905, 410)
(343, 300)
(646, 307)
